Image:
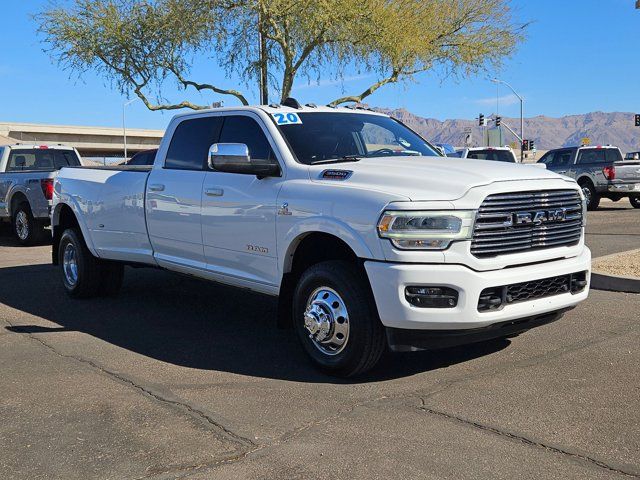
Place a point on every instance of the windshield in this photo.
(326, 136)
(496, 155)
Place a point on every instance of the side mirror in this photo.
(234, 158)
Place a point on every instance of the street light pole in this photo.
(124, 127)
(495, 80)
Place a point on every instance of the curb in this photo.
(600, 281)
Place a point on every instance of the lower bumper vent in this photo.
(495, 298)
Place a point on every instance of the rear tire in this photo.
(26, 229)
(336, 319)
(83, 275)
(635, 202)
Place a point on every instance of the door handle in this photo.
(214, 192)
(156, 187)
(561, 171)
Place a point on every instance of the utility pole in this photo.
(124, 127)
(264, 91)
(495, 80)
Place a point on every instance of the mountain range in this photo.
(616, 128)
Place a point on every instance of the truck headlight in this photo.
(426, 230)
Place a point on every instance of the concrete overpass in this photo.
(90, 141)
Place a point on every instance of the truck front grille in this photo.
(524, 221)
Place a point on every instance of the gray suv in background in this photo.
(599, 170)
(26, 187)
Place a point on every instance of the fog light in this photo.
(578, 282)
(431, 297)
(492, 299)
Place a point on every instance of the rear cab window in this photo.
(613, 155)
(41, 160)
(494, 155)
(66, 158)
(592, 155)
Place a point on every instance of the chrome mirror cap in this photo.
(221, 154)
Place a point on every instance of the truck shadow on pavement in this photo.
(8, 240)
(192, 323)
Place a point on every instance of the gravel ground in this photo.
(626, 264)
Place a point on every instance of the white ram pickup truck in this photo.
(368, 236)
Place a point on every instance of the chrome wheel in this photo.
(22, 225)
(326, 321)
(70, 264)
(587, 194)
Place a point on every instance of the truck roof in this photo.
(277, 108)
(41, 146)
(584, 147)
(474, 149)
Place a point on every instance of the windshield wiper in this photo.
(346, 158)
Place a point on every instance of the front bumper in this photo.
(402, 340)
(389, 281)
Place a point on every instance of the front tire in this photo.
(26, 228)
(635, 202)
(336, 319)
(83, 275)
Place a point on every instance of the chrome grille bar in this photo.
(495, 231)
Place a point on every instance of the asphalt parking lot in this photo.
(177, 378)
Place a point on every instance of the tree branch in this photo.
(173, 106)
(206, 86)
(358, 98)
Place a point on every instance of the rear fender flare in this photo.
(71, 203)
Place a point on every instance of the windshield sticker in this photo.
(287, 118)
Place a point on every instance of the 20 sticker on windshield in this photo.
(287, 118)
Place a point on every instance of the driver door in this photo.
(239, 212)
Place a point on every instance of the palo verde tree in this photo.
(139, 45)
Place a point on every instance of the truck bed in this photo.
(111, 200)
(118, 168)
(627, 179)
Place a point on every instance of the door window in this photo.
(562, 159)
(547, 158)
(242, 129)
(190, 143)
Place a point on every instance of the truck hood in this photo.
(427, 178)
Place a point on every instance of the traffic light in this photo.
(637, 120)
(525, 145)
(498, 121)
(481, 121)
(532, 145)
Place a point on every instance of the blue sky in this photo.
(580, 56)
